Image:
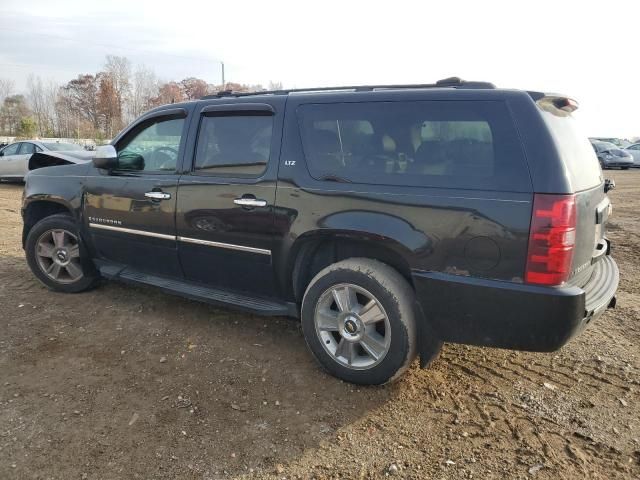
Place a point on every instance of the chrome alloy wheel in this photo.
(58, 255)
(352, 326)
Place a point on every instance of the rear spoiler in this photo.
(559, 101)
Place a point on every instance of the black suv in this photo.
(387, 218)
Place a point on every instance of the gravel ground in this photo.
(125, 382)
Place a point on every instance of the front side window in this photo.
(447, 144)
(11, 149)
(153, 147)
(233, 145)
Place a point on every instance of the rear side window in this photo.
(574, 147)
(445, 144)
(27, 148)
(234, 145)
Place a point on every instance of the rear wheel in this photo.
(55, 256)
(359, 321)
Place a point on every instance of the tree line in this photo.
(96, 105)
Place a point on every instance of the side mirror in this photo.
(106, 157)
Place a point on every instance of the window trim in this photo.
(226, 110)
(223, 109)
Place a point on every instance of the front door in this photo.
(10, 160)
(130, 211)
(225, 216)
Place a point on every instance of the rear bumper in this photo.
(509, 315)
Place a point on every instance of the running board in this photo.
(194, 291)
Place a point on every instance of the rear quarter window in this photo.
(444, 144)
(574, 148)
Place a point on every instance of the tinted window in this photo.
(11, 149)
(448, 144)
(234, 145)
(27, 148)
(574, 147)
(152, 147)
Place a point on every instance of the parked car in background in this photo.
(634, 150)
(612, 156)
(17, 159)
(618, 142)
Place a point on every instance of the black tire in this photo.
(64, 222)
(397, 299)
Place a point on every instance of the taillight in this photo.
(552, 239)
(566, 104)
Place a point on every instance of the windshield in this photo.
(62, 147)
(607, 146)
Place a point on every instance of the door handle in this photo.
(250, 202)
(158, 195)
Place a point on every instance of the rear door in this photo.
(226, 197)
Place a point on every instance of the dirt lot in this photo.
(125, 382)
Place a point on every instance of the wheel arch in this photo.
(316, 250)
(37, 209)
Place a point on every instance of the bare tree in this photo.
(51, 91)
(119, 71)
(145, 88)
(64, 113)
(37, 100)
(274, 85)
(6, 88)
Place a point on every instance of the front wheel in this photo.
(359, 321)
(55, 256)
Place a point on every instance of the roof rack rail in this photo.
(451, 82)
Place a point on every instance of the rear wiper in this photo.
(334, 178)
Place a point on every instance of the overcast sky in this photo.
(587, 49)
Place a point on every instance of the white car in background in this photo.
(16, 159)
(634, 150)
